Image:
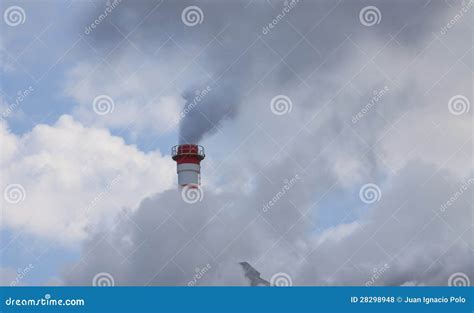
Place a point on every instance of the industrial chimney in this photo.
(188, 158)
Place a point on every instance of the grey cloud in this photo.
(319, 232)
(166, 240)
(232, 53)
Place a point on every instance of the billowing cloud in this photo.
(65, 178)
(405, 236)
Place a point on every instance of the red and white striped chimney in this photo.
(188, 158)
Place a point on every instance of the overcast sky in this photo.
(338, 139)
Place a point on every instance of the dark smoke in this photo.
(207, 111)
(230, 57)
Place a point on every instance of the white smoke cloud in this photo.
(166, 239)
(71, 178)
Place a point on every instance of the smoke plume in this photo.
(289, 194)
